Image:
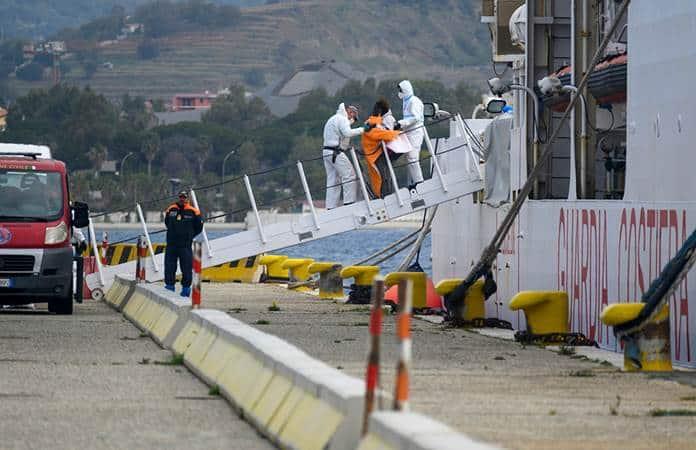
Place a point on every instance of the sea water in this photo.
(345, 248)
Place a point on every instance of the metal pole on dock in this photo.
(401, 387)
(372, 375)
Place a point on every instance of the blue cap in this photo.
(507, 109)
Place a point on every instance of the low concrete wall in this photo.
(295, 400)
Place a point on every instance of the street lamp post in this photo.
(123, 161)
(224, 162)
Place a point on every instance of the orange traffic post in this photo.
(372, 375)
(404, 334)
(196, 284)
(141, 248)
(104, 247)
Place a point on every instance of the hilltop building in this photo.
(193, 101)
(283, 96)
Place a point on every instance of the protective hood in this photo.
(406, 88)
(342, 110)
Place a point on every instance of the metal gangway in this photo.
(459, 176)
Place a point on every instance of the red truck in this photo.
(36, 227)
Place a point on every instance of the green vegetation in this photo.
(672, 413)
(274, 307)
(214, 390)
(262, 322)
(175, 360)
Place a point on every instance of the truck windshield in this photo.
(27, 196)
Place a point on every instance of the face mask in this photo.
(402, 95)
(352, 120)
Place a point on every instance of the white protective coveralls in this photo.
(340, 173)
(413, 120)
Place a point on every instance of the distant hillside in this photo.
(428, 39)
(34, 19)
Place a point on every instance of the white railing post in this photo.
(194, 202)
(252, 200)
(139, 210)
(395, 182)
(474, 154)
(97, 256)
(308, 194)
(362, 181)
(436, 164)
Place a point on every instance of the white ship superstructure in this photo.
(617, 199)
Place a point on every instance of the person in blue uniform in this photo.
(183, 223)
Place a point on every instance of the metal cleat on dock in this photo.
(274, 273)
(330, 281)
(361, 290)
(647, 349)
(299, 273)
(474, 311)
(546, 314)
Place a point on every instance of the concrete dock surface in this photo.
(92, 381)
(496, 391)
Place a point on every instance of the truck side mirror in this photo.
(80, 214)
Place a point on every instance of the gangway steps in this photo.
(268, 238)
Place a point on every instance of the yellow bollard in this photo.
(648, 349)
(330, 281)
(419, 279)
(299, 273)
(546, 312)
(474, 301)
(361, 290)
(275, 273)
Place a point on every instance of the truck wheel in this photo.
(62, 306)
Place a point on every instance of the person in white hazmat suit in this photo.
(340, 174)
(412, 126)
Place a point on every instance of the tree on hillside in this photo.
(69, 119)
(97, 155)
(30, 72)
(201, 153)
(235, 111)
(150, 148)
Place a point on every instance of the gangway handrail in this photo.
(268, 237)
(194, 202)
(147, 236)
(392, 174)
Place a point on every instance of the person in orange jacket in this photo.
(376, 132)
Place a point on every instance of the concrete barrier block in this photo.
(189, 332)
(311, 425)
(282, 415)
(170, 301)
(194, 355)
(373, 442)
(217, 357)
(268, 404)
(135, 302)
(412, 431)
(243, 380)
(115, 292)
(122, 299)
